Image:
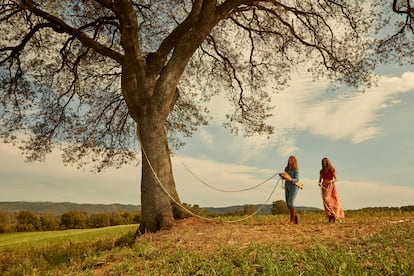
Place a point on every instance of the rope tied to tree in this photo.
(196, 215)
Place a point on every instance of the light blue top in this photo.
(294, 174)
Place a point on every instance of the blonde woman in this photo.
(331, 202)
(291, 190)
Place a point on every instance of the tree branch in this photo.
(170, 42)
(60, 26)
(107, 4)
(15, 50)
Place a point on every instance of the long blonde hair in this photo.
(293, 164)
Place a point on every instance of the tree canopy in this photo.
(394, 31)
(90, 76)
(61, 65)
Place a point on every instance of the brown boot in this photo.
(292, 216)
(295, 217)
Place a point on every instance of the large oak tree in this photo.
(101, 79)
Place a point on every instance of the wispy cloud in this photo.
(309, 106)
(346, 114)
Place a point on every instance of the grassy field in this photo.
(363, 244)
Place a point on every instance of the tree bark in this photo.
(149, 102)
(158, 209)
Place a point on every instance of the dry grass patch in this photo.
(201, 235)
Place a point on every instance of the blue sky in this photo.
(367, 136)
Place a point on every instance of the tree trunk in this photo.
(158, 209)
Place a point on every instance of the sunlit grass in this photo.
(385, 249)
(30, 253)
(21, 239)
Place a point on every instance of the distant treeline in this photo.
(277, 207)
(59, 208)
(408, 208)
(29, 221)
(25, 220)
(21, 217)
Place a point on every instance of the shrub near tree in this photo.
(408, 208)
(49, 222)
(28, 221)
(196, 209)
(248, 209)
(120, 218)
(7, 222)
(99, 220)
(279, 207)
(125, 217)
(74, 220)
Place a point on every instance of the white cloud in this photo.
(346, 114)
(339, 115)
(206, 137)
(288, 142)
(308, 106)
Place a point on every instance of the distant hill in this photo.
(59, 208)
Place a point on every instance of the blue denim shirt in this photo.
(291, 189)
(294, 174)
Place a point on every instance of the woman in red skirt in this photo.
(331, 202)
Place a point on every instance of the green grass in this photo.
(50, 253)
(385, 248)
(20, 239)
